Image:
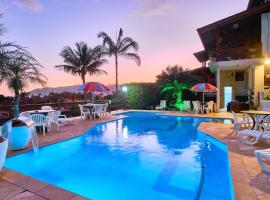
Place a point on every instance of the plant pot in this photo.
(3, 152)
(19, 137)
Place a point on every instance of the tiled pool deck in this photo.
(248, 179)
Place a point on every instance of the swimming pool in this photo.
(142, 156)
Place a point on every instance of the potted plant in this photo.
(19, 137)
(5, 130)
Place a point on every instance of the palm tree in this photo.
(119, 48)
(82, 60)
(18, 68)
(20, 71)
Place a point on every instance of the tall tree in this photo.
(82, 60)
(120, 48)
(20, 71)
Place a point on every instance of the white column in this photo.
(218, 88)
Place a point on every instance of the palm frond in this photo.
(119, 37)
(3, 29)
(106, 40)
(132, 56)
(130, 45)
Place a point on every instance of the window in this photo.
(239, 76)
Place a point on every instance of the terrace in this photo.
(249, 181)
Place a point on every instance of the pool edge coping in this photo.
(230, 153)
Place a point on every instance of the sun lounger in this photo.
(262, 156)
(251, 137)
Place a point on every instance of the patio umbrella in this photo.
(204, 88)
(94, 88)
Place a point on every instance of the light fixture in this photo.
(267, 61)
(268, 75)
(124, 88)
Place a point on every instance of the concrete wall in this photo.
(227, 79)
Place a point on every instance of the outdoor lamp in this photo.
(124, 88)
(267, 61)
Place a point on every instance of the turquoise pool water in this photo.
(142, 156)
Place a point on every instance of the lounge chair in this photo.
(238, 123)
(251, 137)
(63, 119)
(262, 156)
(161, 106)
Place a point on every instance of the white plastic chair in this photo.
(46, 108)
(52, 119)
(209, 107)
(84, 112)
(251, 137)
(104, 109)
(162, 105)
(97, 110)
(40, 121)
(238, 123)
(24, 114)
(197, 108)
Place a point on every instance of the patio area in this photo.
(248, 179)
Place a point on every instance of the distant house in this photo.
(238, 46)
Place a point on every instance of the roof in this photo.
(255, 3)
(233, 19)
(208, 33)
(201, 56)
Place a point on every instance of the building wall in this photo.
(253, 81)
(259, 78)
(227, 79)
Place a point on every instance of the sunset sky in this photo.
(164, 29)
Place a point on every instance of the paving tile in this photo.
(78, 198)
(244, 191)
(27, 196)
(8, 190)
(31, 184)
(264, 197)
(53, 193)
(12, 176)
(240, 174)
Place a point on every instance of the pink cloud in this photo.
(33, 5)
